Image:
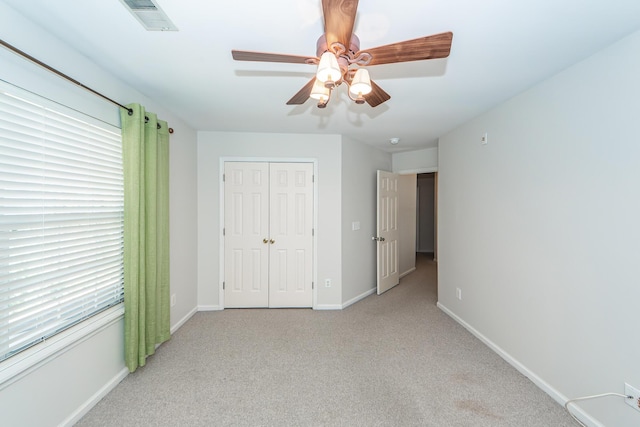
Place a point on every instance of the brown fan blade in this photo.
(303, 94)
(430, 47)
(339, 18)
(243, 55)
(377, 96)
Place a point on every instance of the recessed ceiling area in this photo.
(499, 49)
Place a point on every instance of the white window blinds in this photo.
(61, 220)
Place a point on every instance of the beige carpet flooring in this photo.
(389, 360)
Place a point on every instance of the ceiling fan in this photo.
(339, 58)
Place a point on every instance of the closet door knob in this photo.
(265, 241)
(272, 241)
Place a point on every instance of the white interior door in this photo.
(268, 246)
(246, 247)
(387, 231)
(291, 235)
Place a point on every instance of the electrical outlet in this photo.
(173, 300)
(459, 293)
(327, 283)
(632, 391)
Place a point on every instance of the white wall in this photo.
(359, 165)
(416, 161)
(325, 149)
(540, 229)
(407, 217)
(62, 388)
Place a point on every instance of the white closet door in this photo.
(291, 235)
(268, 246)
(246, 247)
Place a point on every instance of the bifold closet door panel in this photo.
(246, 223)
(291, 235)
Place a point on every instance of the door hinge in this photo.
(224, 177)
(224, 231)
(313, 178)
(313, 232)
(223, 285)
(313, 285)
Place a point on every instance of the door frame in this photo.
(314, 161)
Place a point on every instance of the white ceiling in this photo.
(500, 48)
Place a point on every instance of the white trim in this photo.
(221, 237)
(314, 274)
(31, 359)
(183, 320)
(269, 159)
(409, 271)
(328, 307)
(539, 382)
(209, 308)
(93, 400)
(416, 171)
(358, 298)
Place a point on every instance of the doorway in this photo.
(426, 214)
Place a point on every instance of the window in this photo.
(61, 219)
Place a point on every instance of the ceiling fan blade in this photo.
(339, 18)
(377, 96)
(303, 94)
(430, 47)
(243, 55)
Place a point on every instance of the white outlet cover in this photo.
(632, 391)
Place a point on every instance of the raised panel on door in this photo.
(246, 255)
(387, 231)
(291, 229)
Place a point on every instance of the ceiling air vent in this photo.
(149, 14)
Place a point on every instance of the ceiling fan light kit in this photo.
(337, 63)
(321, 93)
(360, 86)
(329, 71)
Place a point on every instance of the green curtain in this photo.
(145, 154)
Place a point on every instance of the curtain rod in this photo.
(66, 77)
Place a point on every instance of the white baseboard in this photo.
(183, 320)
(358, 298)
(209, 308)
(86, 407)
(539, 382)
(328, 307)
(411, 270)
